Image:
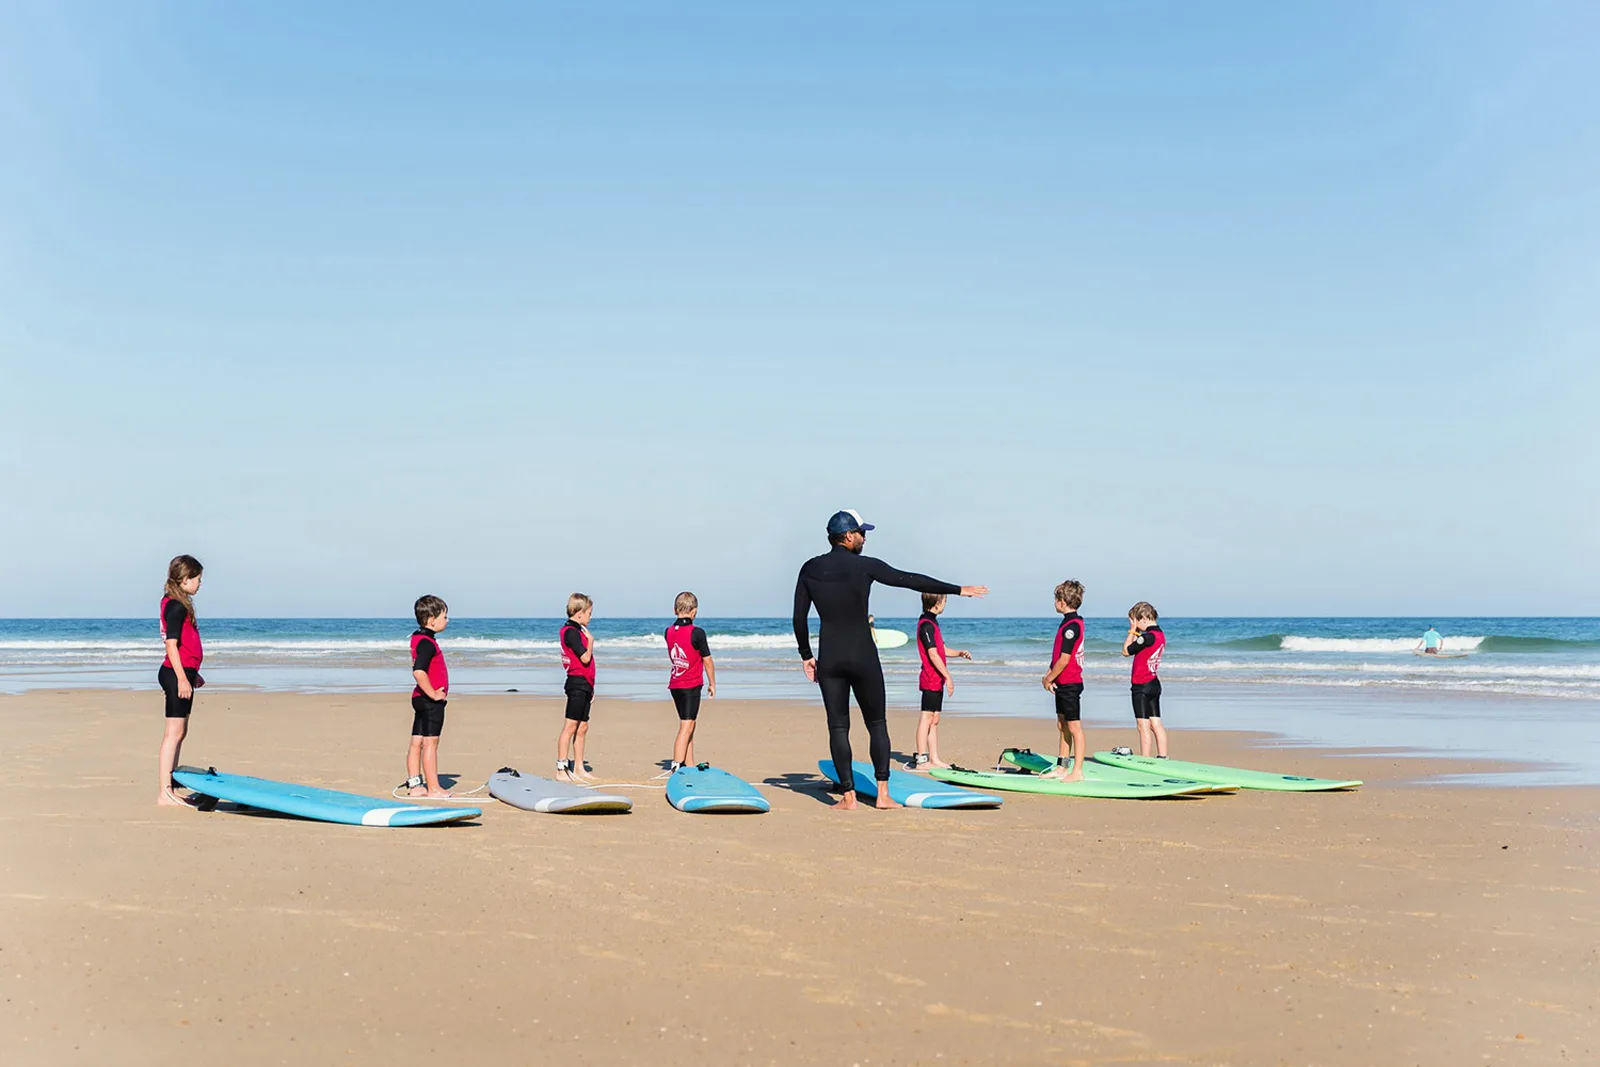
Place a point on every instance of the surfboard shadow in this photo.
(228, 807)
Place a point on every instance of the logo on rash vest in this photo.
(680, 661)
(1155, 659)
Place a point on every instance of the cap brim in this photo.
(864, 527)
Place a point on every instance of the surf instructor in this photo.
(839, 584)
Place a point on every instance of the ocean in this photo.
(1525, 690)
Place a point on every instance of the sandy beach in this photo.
(1400, 924)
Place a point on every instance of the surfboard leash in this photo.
(454, 797)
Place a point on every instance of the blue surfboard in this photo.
(704, 788)
(913, 790)
(309, 802)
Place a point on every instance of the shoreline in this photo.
(1397, 923)
(1548, 745)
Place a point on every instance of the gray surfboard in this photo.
(532, 793)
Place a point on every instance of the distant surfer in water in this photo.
(1432, 642)
(839, 584)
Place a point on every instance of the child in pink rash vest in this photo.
(1145, 643)
(692, 672)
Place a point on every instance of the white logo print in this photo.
(1155, 659)
(680, 661)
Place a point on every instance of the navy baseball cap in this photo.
(847, 521)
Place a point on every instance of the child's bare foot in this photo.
(169, 799)
(439, 794)
(417, 791)
(941, 764)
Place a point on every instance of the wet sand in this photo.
(1399, 924)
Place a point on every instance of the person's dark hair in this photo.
(429, 607)
(180, 570)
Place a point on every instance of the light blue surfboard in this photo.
(309, 802)
(704, 788)
(913, 790)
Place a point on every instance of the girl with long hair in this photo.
(180, 668)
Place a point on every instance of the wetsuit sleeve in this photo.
(925, 634)
(572, 637)
(426, 650)
(881, 572)
(1069, 636)
(802, 609)
(698, 642)
(172, 618)
(1138, 643)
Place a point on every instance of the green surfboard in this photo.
(1020, 782)
(1206, 772)
(1028, 760)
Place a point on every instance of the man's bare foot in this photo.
(846, 802)
(884, 802)
(169, 799)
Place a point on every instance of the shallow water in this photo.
(1529, 690)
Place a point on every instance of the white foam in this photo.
(26, 646)
(1294, 643)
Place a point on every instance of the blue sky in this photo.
(1239, 308)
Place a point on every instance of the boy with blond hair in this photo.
(577, 656)
(1065, 680)
(1145, 643)
(692, 669)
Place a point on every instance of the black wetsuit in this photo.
(839, 584)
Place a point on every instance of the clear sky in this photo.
(1241, 308)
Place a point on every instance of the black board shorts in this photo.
(1069, 701)
(932, 699)
(580, 697)
(1147, 699)
(687, 701)
(177, 708)
(428, 717)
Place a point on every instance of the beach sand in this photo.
(1399, 924)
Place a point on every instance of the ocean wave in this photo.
(1296, 643)
(1502, 687)
(70, 645)
(336, 645)
(1421, 672)
(1506, 643)
(1259, 643)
